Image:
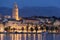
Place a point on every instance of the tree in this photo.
(36, 28)
(7, 28)
(27, 27)
(41, 28)
(13, 29)
(27, 30)
(47, 28)
(22, 28)
(56, 28)
(31, 29)
(52, 29)
(31, 32)
(54, 17)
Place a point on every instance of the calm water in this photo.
(30, 36)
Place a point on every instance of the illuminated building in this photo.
(33, 21)
(7, 16)
(57, 23)
(15, 12)
(1, 26)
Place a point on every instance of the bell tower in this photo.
(15, 12)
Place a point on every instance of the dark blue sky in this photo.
(24, 3)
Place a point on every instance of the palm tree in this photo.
(36, 28)
(22, 29)
(56, 28)
(52, 29)
(27, 27)
(47, 28)
(13, 29)
(41, 28)
(31, 29)
(7, 29)
(31, 32)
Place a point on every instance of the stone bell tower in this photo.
(15, 12)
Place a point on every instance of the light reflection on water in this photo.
(29, 36)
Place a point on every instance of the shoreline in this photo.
(27, 33)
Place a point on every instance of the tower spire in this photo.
(15, 5)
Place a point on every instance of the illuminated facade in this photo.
(1, 27)
(17, 26)
(15, 12)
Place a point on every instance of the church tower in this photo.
(15, 12)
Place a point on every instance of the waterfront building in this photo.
(31, 21)
(57, 23)
(1, 26)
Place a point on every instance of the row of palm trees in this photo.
(45, 28)
(36, 28)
